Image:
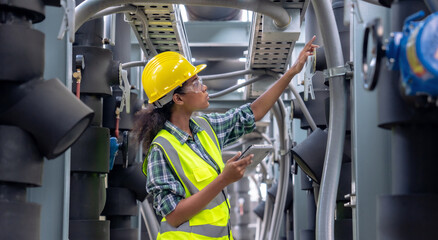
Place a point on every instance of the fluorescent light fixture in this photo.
(242, 59)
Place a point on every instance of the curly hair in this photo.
(149, 121)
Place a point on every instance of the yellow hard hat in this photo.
(165, 72)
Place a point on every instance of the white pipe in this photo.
(283, 180)
(256, 183)
(113, 30)
(325, 216)
(303, 107)
(267, 217)
(113, 10)
(281, 18)
(134, 10)
(231, 89)
(149, 218)
(134, 64)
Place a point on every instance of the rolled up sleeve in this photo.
(233, 124)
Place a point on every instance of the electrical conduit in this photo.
(283, 179)
(325, 216)
(129, 9)
(85, 10)
(303, 107)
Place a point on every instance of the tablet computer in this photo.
(260, 151)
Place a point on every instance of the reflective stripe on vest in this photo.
(204, 230)
(194, 174)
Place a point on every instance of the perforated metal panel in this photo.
(270, 54)
(165, 29)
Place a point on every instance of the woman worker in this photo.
(185, 171)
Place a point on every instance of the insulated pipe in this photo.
(231, 89)
(237, 73)
(132, 9)
(303, 107)
(256, 183)
(267, 217)
(115, 9)
(150, 220)
(338, 108)
(134, 64)
(280, 200)
(265, 137)
(281, 18)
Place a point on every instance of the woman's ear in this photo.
(177, 99)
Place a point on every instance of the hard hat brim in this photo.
(198, 69)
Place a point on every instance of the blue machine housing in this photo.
(415, 53)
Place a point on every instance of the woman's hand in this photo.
(308, 50)
(235, 168)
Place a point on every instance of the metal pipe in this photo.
(113, 10)
(149, 218)
(303, 107)
(234, 145)
(336, 134)
(267, 217)
(258, 228)
(280, 200)
(264, 136)
(133, 64)
(231, 89)
(238, 73)
(131, 9)
(280, 16)
(256, 183)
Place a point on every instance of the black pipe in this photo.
(21, 166)
(34, 122)
(90, 155)
(126, 181)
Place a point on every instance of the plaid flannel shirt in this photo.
(163, 183)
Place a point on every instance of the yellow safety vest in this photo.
(213, 222)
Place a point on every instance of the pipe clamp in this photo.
(345, 70)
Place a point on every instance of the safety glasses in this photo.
(195, 87)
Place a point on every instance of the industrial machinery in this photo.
(353, 136)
